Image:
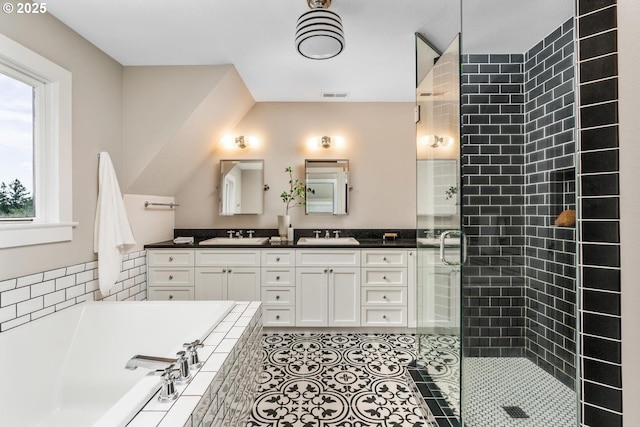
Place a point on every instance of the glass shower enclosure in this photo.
(497, 294)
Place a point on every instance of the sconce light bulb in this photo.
(326, 141)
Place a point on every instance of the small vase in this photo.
(283, 225)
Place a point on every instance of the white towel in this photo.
(112, 234)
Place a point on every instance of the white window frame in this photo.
(52, 149)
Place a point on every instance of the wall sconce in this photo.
(240, 141)
(436, 141)
(317, 142)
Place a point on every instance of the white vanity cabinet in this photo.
(385, 293)
(170, 274)
(227, 274)
(278, 290)
(327, 287)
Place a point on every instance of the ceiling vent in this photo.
(335, 94)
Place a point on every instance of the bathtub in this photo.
(67, 369)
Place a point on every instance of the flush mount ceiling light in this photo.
(319, 32)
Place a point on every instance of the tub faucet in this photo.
(149, 362)
(326, 234)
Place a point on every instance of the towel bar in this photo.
(171, 205)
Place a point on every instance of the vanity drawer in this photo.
(384, 276)
(381, 296)
(226, 258)
(275, 257)
(278, 277)
(384, 258)
(170, 294)
(278, 316)
(170, 258)
(281, 296)
(327, 257)
(170, 277)
(384, 316)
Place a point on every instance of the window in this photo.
(35, 148)
(17, 124)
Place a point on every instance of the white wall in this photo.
(629, 112)
(97, 126)
(149, 224)
(379, 142)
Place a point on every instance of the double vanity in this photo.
(314, 282)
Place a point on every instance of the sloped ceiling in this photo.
(173, 117)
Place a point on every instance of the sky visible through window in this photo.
(16, 132)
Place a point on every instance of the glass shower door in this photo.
(439, 236)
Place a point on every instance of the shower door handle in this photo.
(463, 244)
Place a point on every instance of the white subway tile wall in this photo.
(27, 298)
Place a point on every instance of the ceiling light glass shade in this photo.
(319, 34)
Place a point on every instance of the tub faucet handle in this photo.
(192, 349)
(168, 390)
(250, 233)
(183, 368)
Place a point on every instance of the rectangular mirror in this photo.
(327, 184)
(241, 187)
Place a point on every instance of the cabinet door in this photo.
(243, 284)
(311, 296)
(211, 283)
(344, 297)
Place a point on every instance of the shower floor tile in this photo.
(337, 380)
(495, 384)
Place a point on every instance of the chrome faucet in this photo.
(149, 362)
(337, 233)
(239, 234)
(317, 233)
(250, 232)
(230, 233)
(326, 234)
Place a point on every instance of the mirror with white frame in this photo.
(327, 184)
(241, 187)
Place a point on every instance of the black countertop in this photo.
(368, 238)
(364, 243)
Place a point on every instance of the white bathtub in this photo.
(67, 369)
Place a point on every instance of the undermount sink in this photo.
(332, 241)
(435, 241)
(235, 241)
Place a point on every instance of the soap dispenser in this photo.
(290, 233)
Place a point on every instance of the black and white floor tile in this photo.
(337, 380)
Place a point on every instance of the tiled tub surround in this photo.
(518, 147)
(79, 377)
(222, 392)
(28, 298)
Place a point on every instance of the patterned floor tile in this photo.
(337, 380)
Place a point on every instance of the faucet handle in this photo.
(337, 233)
(317, 233)
(183, 368)
(250, 233)
(192, 349)
(239, 234)
(230, 233)
(168, 390)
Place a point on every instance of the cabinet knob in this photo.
(325, 270)
(331, 270)
(384, 277)
(384, 258)
(278, 317)
(170, 258)
(224, 270)
(277, 277)
(170, 277)
(384, 297)
(229, 271)
(277, 296)
(277, 259)
(384, 316)
(170, 296)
